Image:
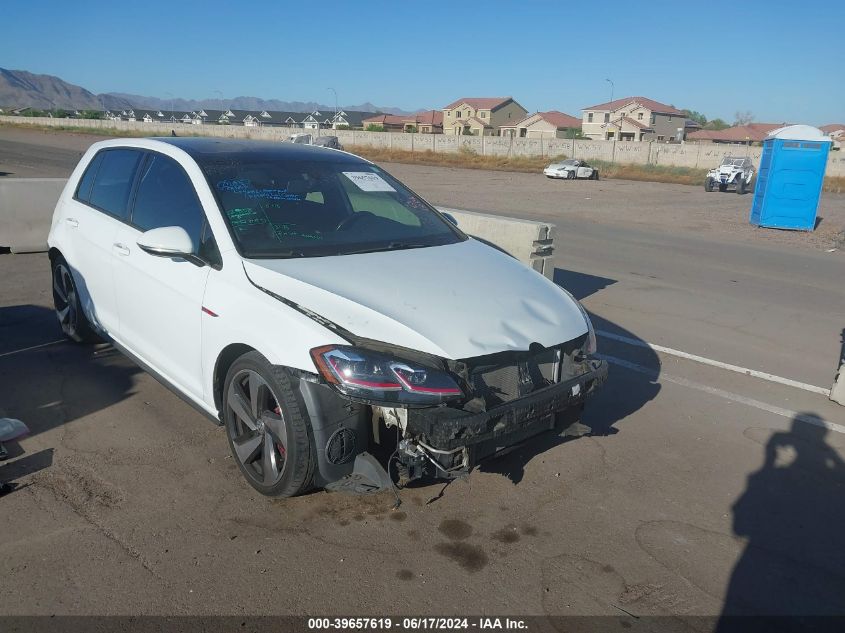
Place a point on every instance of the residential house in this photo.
(428, 122)
(551, 124)
(738, 134)
(481, 115)
(350, 119)
(316, 120)
(633, 119)
(390, 122)
(836, 131)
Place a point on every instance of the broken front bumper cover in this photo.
(446, 428)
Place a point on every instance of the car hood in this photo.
(456, 301)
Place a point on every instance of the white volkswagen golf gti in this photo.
(344, 332)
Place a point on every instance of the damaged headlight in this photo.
(591, 346)
(372, 376)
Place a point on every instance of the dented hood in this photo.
(456, 301)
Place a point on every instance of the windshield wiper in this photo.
(392, 246)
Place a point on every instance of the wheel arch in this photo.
(225, 358)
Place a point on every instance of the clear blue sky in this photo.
(778, 59)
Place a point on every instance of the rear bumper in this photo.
(447, 429)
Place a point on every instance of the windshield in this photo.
(568, 161)
(296, 208)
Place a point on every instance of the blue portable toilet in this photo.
(789, 181)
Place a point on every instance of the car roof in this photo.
(205, 148)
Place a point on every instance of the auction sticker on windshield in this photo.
(368, 181)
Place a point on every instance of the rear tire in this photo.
(595, 174)
(72, 319)
(267, 427)
(570, 175)
(708, 185)
(723, 188)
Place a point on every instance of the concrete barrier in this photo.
(530, 242)
(26, 210)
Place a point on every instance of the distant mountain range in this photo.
(20, 88)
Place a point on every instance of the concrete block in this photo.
(837, 393)
(530, 242)
(26, 211)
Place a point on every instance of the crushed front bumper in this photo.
(447, 429)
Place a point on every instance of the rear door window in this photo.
(113, 182)
(83, 191)
(166, 197)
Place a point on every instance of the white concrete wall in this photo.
(695, 155)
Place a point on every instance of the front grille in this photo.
(502, 383)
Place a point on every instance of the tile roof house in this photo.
(428, 122)
(834, 130)
(633, 119)
(743, 134)
(481, 115)
(390, 122)
(551, 124)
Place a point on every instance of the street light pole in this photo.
(335, 105)
(612, 86)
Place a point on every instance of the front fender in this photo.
(237, 313)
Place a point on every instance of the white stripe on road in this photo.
(735, 397)
(715, 363)
(26, 349)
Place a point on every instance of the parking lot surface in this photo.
(690, 490)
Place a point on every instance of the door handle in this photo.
(73, 222)
(121, 249)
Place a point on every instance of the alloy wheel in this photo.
(256, 428)
(65, 299)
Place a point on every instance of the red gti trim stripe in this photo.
(373, 385)
(209, 312)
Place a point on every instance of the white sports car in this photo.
(571, 169)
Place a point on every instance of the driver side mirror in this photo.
(168, 241)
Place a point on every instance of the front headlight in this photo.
(592, 345)
(376, 377)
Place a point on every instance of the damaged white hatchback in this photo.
(344, 332)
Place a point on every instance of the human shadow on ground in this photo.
(792, 514)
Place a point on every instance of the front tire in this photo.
(72, 319)
(570, 175)
(740, 186)
(723, 188)
(267, 427)
(708, 185)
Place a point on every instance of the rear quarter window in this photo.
(83, 191)
(113, 181)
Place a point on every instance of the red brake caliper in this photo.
(282, 452)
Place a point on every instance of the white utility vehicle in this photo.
(571, 169)
(733, 172)
(315, 307)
